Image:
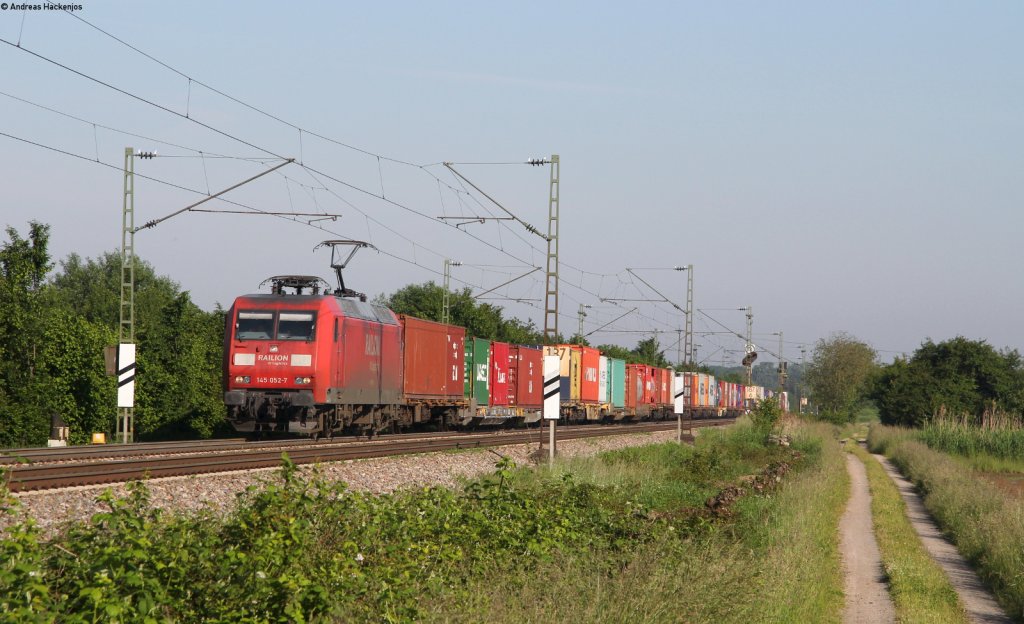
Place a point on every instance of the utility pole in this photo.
(446, 304)
(125, 425)
(689, 314)
(582, 315)
(800, 386)
(750, 342)
(688, 343)
(551, 290)
(782, 367)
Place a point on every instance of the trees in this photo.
(963, 376)
(24, 263)
(52, 335)
(839, 375)
(179, 345)
(648, 351)
(482, 320)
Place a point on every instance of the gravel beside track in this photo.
(219, 491)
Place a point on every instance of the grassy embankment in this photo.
(920, 590)
(625, 536)
(773, 559)
(986, 526)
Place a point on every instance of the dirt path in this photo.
(867, 594)
(980, 604)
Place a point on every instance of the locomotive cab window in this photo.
(296, 326)
(253, 325)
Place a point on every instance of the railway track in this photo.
(237, 455)
(100, 452)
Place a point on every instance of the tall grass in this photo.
(987, 527)
(996, 434)
(883, 439)
(776, 560)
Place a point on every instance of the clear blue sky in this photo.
(840, 167)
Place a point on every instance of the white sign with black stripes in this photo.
(126, 375)
(551, 382)
(679, 393)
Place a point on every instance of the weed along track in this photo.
(66, 471)
(623, 528)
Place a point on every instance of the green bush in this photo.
(765, 416)
(301, 549)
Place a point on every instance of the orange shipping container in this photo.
(666, 387)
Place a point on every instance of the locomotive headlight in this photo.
(242, 379)
(303, 380)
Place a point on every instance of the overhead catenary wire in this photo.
(254, 146)
(186, 116)
(382, 197)
(229, 201)
(243, 141)
(234, 99)
(389, 254)
(191, 79)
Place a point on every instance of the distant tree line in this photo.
(961, 377)
(55, 324)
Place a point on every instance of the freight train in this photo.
(318, 363)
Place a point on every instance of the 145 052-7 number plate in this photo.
(271, 380)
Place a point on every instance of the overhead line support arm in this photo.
(155, 222)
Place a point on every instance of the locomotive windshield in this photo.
(296, 326)
(254, 325)
(268, 325)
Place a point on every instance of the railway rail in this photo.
(99, 452)
(162, 462)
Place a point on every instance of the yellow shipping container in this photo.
(570, 370)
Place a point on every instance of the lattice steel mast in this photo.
(551, 290)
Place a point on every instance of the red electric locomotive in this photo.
(316, 361)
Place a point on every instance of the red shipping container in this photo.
(650, 375)
(590, 362)
(498, 383)
(434, 359)
(526, 377)
(634, 385)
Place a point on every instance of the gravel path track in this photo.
(980, 604)
(867, 593)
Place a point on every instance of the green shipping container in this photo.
(617, 382)
(478, 370)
